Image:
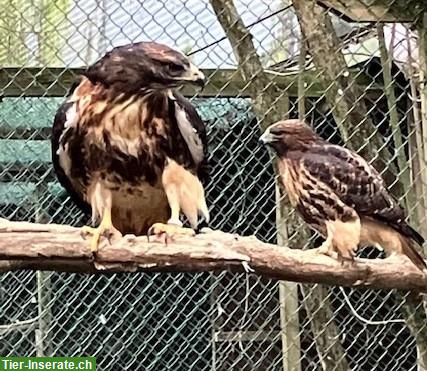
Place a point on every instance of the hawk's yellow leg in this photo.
(174, 226)
(105, 229)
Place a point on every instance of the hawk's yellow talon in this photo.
(96, 234)
(169, 231)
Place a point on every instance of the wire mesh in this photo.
(210, 321)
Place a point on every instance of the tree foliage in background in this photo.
(29, 32)
(286, 40)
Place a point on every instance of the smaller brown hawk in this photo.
(339, 194)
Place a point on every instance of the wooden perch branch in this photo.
(61, 248)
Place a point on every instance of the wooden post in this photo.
(44, 290)
(288, 298)
(422, 31)
(270, 104)
(418, 324)
(418, 166)
(402, 161)
(43, 333)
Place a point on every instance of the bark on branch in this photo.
(61, 248)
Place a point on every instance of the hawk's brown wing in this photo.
(57, 132)
(193, 131)
(357, 184)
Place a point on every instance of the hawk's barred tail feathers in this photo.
(411, 252)
(413, 234)
(409, 236)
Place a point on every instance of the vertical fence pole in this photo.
(422, 29)
(44, 291)
(43, 337)
(288, 299)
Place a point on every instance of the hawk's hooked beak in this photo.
(194, 76)
(268, 137)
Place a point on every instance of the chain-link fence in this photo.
(357, 83)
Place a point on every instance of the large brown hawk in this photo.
(128, 147)
(339, 194)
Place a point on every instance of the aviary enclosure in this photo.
(353, 69)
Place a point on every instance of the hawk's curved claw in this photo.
(169, 231)
(205, 230)
(346, 260)
(110, 233)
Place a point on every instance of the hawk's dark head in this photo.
(287, 135)
(144, 67)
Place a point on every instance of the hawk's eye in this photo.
(175, 68)
(276, 131)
